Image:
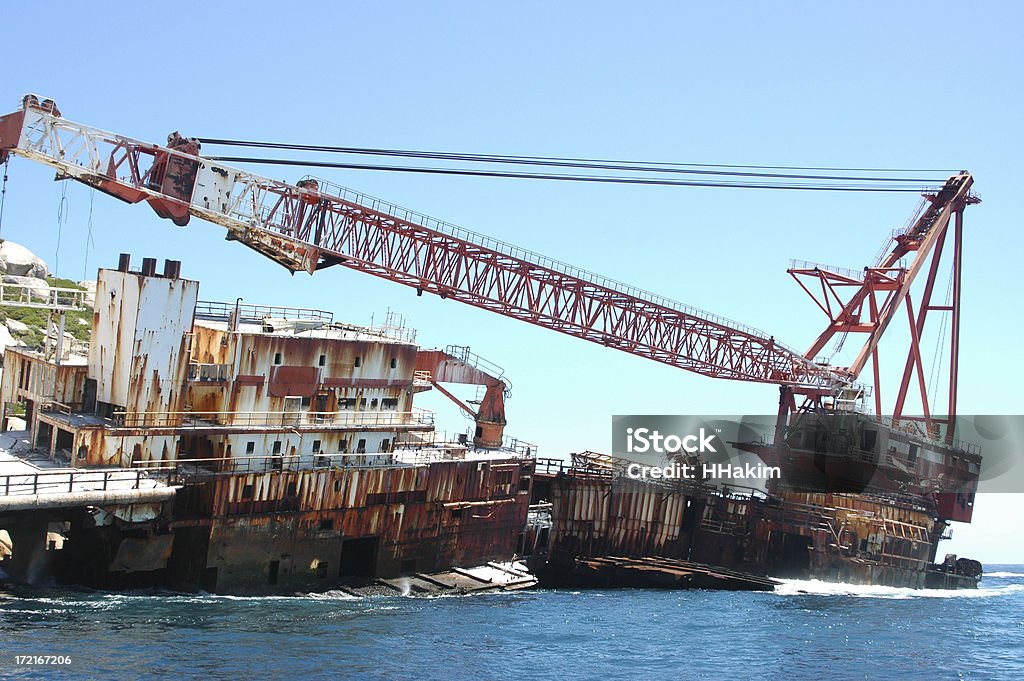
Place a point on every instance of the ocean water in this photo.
(806, 630)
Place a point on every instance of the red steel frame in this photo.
(878, 293)
(304, 228)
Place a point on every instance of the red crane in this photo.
(310, 226)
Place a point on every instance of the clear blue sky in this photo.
(903, 85)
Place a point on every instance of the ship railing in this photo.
(912, 426)
(464, 355)
(514, 447)
(347, 419)
(86, 480)
(523, 449)
(55, 406)
(850, 273)
(432, 438)
(551, 466)
(218, 310)
(270, 463)
(43, 296)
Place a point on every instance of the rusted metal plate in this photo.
(293, 380)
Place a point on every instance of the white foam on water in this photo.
(333, 595)
(815, 587)
(1003, 575)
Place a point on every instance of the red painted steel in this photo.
(879, 291)
(306, 228)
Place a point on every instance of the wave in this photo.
(1003, 575)
(814, 587)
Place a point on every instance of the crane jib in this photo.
(308, 227)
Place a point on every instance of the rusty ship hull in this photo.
(854, 538)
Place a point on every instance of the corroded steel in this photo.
(837, 537)
(138, 354)
(421, 518)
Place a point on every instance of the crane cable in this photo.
(89, 243)
(572, 178)
(743, 173)
(571, 162)
(62, 218)
(3, 196)
(940, 345)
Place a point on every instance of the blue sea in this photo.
(805, 630)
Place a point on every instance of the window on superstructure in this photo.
(359, 361)
(389, 403)
(373, 403)
(277, 358)
(306, 401)
(394, 363)
(277, 446)
(316, 446)
(361, 446)
(343, 445)
(323, 360)
(250, 447)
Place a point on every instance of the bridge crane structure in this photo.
(310, 226)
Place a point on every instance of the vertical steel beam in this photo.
(926, 300)
(954, 356)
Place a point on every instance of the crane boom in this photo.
(310, 226)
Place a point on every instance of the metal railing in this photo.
(463, 354)
(85, 480)
(843, 271)
(269, 463)
(441, 438)
(218, 310)
(43, 296)
(526, 450)
(915, 427)
(195, 420)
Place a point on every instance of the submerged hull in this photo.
(860, 539)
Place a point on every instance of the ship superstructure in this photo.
(299, 456)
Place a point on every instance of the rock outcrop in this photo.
(16, 260)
